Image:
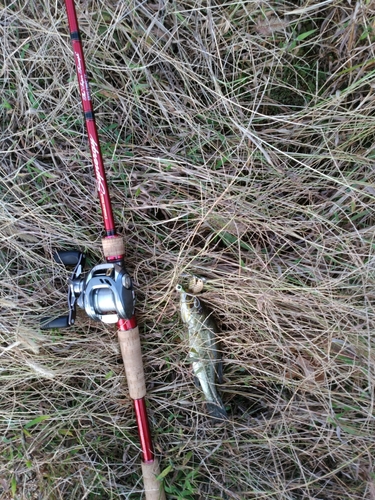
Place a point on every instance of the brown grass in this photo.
(239, 141)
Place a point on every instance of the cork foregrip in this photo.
(113, 247)
(130, 345)
(153, 488)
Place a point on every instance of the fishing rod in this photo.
(106, 291)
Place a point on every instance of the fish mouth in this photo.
(194, 284)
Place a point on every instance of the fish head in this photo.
(189, 304)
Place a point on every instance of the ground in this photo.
(239, 144)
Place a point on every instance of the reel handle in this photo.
(72, 258)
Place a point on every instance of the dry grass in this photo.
(239, 141)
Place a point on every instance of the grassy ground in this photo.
(239, 142)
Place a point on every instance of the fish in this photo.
(203, 349)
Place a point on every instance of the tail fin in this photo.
(217, 411)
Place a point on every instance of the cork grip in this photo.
(130, 346)
(113, 246)
(153, 488)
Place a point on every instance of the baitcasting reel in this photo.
(105, 293)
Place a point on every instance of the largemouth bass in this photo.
(203, 351)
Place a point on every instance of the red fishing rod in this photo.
(106, 291)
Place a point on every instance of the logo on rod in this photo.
(82, 79)
(95, 158)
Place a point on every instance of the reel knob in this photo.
(60, 322)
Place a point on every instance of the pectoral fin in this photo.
(196, 382)
(219, 371)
